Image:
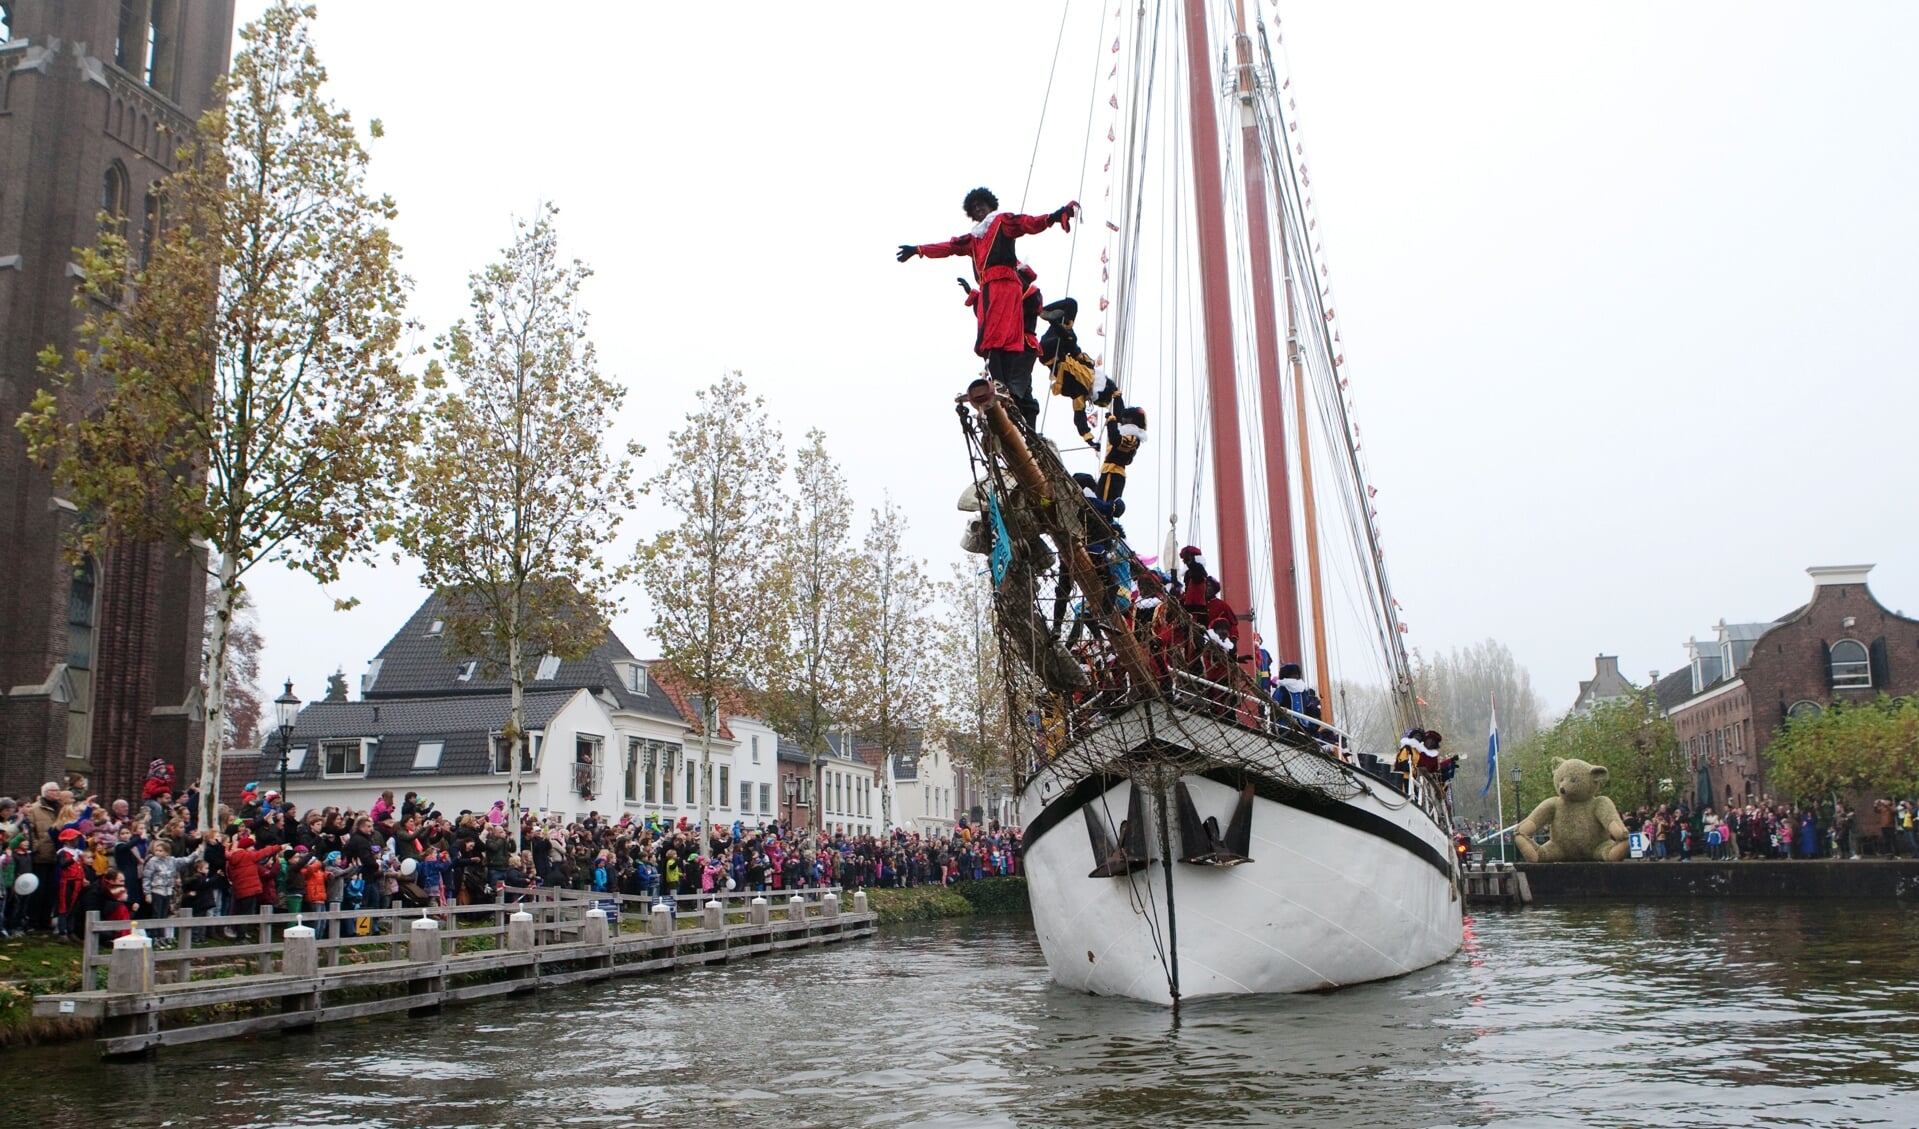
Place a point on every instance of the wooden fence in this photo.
(280, 972)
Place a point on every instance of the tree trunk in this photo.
(516, 713)
(706, 775)
(886, 794)
(214, 669)
(816, 814)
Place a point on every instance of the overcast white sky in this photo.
(1626, 289)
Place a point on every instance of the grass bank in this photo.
(933, 903)
(29, 967)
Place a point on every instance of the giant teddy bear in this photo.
(1585, 825)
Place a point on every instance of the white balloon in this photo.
(729, 883)
(408, 867)
(26, 884)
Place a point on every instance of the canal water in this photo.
(1677, 1014)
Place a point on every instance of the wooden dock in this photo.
(280, 976)
(1497, 883)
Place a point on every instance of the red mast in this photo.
(1229, 487)
(1279, 507)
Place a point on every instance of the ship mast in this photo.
(1286, 627)
(1321, 671)
(1229, 487)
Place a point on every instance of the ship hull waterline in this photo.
(1339, 892)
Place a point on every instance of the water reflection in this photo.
(1682, 1014)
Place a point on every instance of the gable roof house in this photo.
(1605, 685)
(1842, 645)
(603, 734)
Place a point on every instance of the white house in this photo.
(926, 787)
(602, 736)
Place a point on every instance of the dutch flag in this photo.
(1492, 749)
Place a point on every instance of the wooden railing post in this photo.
(263, 934)
(89, 952)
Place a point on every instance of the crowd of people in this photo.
(68, 853)
(1768, 829)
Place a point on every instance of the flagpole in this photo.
(1499, 788)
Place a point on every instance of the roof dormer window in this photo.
(549, 668)
(467, 670)
(437, 627)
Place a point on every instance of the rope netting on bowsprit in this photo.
(1109, 670)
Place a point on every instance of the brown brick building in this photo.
(1841, 646)
(99, 665)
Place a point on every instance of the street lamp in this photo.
(792, 786)
(286, 710)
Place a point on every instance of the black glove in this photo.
(964, 285)
(907, 251)
(1064, 216)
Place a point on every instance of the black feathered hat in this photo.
(1062, 311)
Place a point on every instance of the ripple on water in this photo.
(1674, 1014)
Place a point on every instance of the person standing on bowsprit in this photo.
(1003, 335)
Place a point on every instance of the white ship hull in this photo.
(1339, 891)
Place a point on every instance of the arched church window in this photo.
(1851, 666)
(113, 198)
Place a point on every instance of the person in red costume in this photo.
(1004, 339)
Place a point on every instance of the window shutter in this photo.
(1881, 669)
(1825, 660)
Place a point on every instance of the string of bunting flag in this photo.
(1289, 114)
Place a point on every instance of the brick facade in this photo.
(1725, 729)
(97, 675)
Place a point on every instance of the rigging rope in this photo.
(1045, 101)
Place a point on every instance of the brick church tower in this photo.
(100, 663)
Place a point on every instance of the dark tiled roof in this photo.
(415, 664)
(1673, 688)
(464, 722)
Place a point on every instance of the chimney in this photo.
(1654, 676)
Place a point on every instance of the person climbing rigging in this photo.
(1075, 375)
(1125, 431)
(1003, 339)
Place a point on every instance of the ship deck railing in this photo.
(1232, 706)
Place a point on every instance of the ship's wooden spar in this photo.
(1065, 531)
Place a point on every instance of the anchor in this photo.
(1200, 842)
(1130, 855)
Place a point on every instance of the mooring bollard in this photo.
(758, 913)
(859, 902)
(830, 906)
(662, 923)
(300, 954)
(519, 932)
(796, 908)
(715, 916)
(593, 929)
(130, 969)
(423, 941)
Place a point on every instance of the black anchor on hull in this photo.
(1200, 842)
(1130, 854)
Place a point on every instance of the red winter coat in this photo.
(243, 871)
(315, 877)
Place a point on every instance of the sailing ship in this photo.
(1185, 833)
